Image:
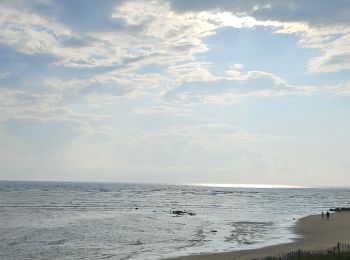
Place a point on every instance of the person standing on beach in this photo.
(322, 215)
(327, 215)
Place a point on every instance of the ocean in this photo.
(63, 220)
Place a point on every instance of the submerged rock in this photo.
(340, 209)
(182, 213)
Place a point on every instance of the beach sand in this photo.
(315, 234)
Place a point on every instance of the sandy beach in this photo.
(315, 234)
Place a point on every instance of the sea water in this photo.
(61, 220)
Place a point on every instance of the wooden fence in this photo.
(298, 254)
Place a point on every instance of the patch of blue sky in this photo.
(322, 79)
(152, 68)
(23, 67)
(259, 49)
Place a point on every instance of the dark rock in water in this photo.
(339, 209)
(182, 213)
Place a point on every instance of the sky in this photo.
(182, 91)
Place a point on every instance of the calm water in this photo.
(51, 220)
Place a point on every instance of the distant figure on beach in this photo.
(322, 215)
(327, 215)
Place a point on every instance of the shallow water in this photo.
(58, 220)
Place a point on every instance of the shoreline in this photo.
(315, 234)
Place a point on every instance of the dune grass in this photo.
(331, 254)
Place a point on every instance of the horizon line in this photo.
(218, 185)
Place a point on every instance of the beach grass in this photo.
(328, 256)
(340, 251)
(314, 256)
(341, 256)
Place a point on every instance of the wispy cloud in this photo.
(234, 85)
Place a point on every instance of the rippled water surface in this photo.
(57, 220)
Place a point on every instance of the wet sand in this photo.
(315, 234)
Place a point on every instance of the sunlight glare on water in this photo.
(257, 186)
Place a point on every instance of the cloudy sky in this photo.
(183, 91)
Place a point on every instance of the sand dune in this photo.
(315, 234)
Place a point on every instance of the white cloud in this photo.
(159, 35)
(340, 90)
(165, 109)
(324, 26)
(332, 41)
(192, 71)
(22, 106)
(163, 37)
(30, 33)
(335, 56)
(233, 86)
